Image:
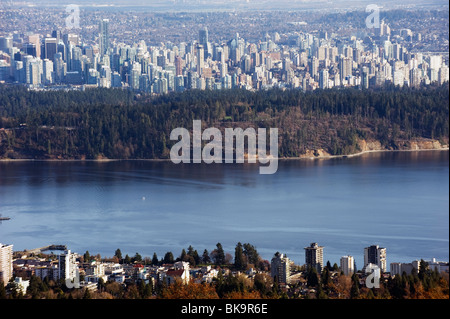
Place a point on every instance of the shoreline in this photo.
(363, 153)
(280, 159)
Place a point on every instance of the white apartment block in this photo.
(348, 265)
(6, 265)
(67, 264)
(408, 268)
(438, 266)
(280, 267)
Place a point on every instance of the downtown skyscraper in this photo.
(203, 39)
(104, 36)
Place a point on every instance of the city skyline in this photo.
(94, 96)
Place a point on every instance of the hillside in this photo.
(116, 124)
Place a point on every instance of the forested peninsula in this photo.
(120, 124)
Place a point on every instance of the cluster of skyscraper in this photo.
(308, 62)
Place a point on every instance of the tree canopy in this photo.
(111, 123)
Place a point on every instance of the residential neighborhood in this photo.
(281, 277)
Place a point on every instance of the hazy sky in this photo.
(236, 4)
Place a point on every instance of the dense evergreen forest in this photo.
(118, 124)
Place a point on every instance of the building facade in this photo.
(314, 256)
(6, 265)
(348, 265)
(67, 265)
(408, 268)
(280, 268)
(375, 255)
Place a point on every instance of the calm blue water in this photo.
(396, 200)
